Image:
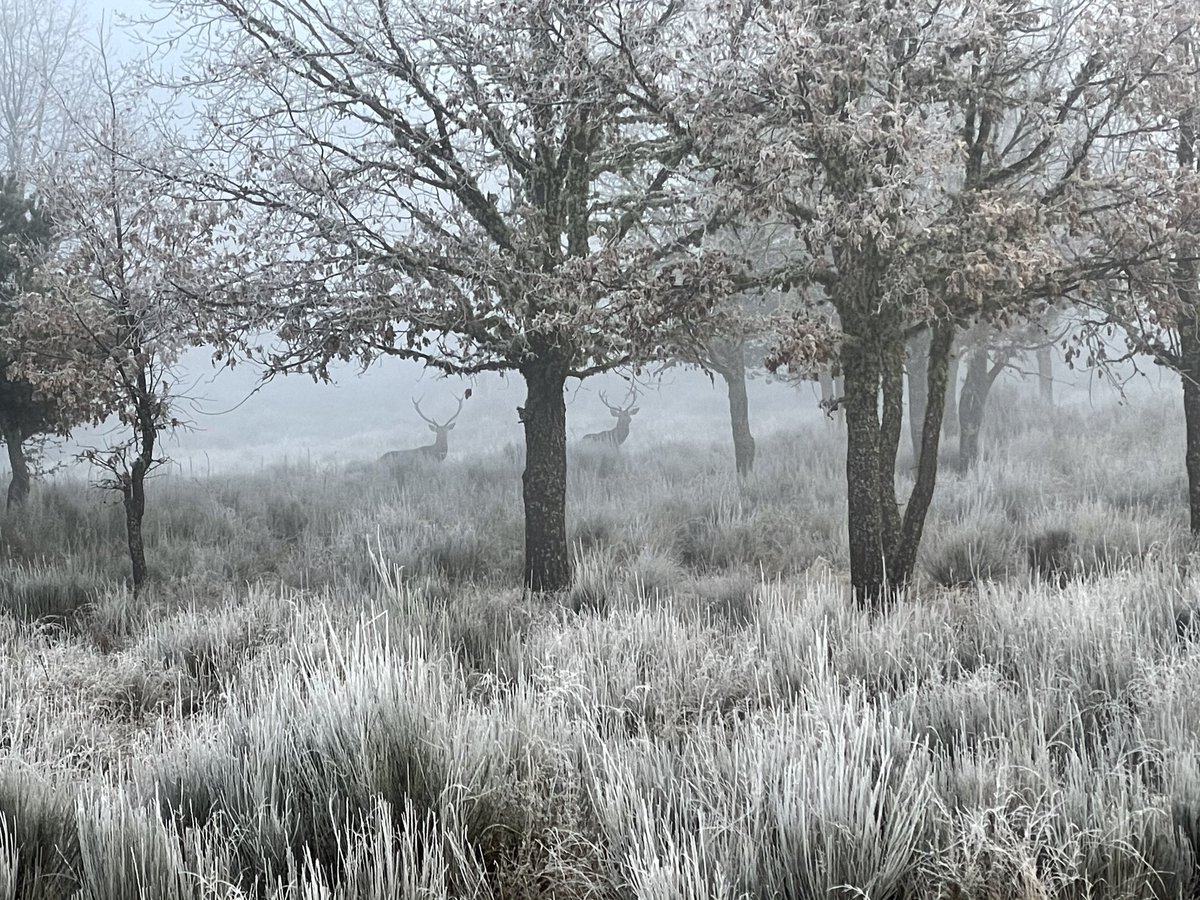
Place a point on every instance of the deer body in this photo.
(398, 460)
(616, 435)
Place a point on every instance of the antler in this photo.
(632, 395)
(417, 404)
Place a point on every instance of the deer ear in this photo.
(635, 410)
(450, 427)
(616, 415)
(433, 428)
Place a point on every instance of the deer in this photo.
(616, 435)
(396, 460)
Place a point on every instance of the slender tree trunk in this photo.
(904, 555)
(950, 413)
(733, 370)
(133, 483)
(547, 554)
(970, 409)
(1187, 272)
(981, 375)
(918, 377)
(1191, 417)
(1045, 364)
(133, 495)
(883, 542)
(1189, 351)
(18, 487)
(891, 432)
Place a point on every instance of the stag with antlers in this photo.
(397, 460)
(616, 435)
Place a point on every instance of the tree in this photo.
(475, 187)
(989, 353)
(733, 338)
(1157, 298)
(25, 231)
(39, 72)
(110, 311)
(932, 160)
(1160, 308)
(41, 46)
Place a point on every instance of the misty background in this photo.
(236, 422)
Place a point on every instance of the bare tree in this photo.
(41, 80)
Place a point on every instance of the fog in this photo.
(235, 422)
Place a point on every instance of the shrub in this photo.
(55, 594)
(1051, 555)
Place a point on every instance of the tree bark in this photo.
(868, 567)
(918, 377)
(544, 483)
(972, 404)
(133, 482)
(1189, 352)
(1045, 364)
(18, 487)
(884, 542)
(950, 414)
(133, 495)
(733, 370)
(1187, 271)
(904, 555)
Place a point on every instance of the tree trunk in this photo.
(1045, 364)
(904, 555)
(733, 370)
(1186, 273)
(133, 483)
(865, 520)
(972, 404)
(18, 488)
(950, 414)
(884, 543)
(918, 378)
(547, 554)
(133, 495)
(1189, 352)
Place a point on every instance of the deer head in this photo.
(440, 429)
